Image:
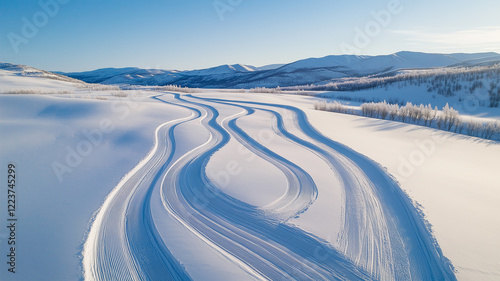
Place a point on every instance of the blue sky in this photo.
(191, 34)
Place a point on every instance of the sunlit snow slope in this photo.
(170, 193)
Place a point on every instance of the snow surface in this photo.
(10, 82)
(466, 104)
(53, 216)
(456, 182)
(237, 186)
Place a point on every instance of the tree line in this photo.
(447, 118)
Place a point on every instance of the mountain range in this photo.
(303, 72)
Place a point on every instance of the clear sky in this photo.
(192, 34)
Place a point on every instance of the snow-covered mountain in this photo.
(269, 66)
(128, 75)
(223, 69)
(28, 71)
(308, 71)
(351, 65)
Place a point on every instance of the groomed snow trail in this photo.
(382, 237)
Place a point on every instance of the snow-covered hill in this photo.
(128, 75)
(308, 71)
(25, 79)
(470, 90)
(243, 186)
(269, 67)
(222, 69)
(9, 69)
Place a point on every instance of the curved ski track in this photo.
(383, 237)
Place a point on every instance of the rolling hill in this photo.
(308, 71)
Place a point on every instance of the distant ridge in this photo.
(307, 71)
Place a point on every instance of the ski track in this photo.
(382, 237)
